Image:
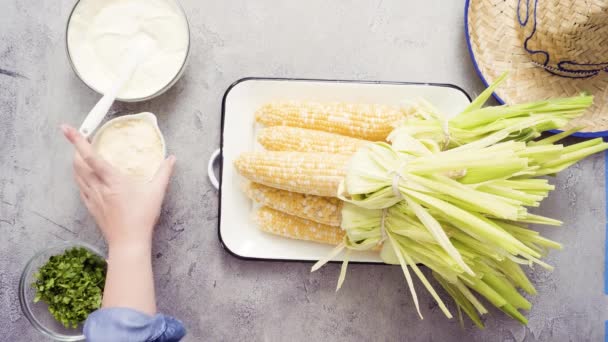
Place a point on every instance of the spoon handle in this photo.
(98, 112)
(133, 58)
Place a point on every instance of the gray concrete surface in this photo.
(219, 297)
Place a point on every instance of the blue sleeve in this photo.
(122, 324)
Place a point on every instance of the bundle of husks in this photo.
(452, 195)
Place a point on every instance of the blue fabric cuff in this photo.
(124, 324)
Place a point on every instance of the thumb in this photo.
(161, 179)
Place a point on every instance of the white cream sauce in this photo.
(100, 33)
(133, 146)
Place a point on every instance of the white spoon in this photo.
(134, 57)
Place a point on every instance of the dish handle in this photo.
(217, 154)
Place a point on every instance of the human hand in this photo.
(125, 209)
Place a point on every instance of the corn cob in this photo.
(364, 121)
(303, 172)
(326, 210)
(278, 223)
(285, 138)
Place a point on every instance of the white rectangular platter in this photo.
(237, 231)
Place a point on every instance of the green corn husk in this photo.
(522, 122)
(460, 206)
(410, 244)
(461, 301)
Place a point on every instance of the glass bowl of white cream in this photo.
(100, 32)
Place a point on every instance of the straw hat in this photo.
(551, 48)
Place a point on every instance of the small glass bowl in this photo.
(38, 313)
(140, 99)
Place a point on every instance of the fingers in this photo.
(84, 197)
(161, 179)
(85, 176)
(87, 201)
(82, 184)
(85, 150)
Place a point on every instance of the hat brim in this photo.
(495, 47)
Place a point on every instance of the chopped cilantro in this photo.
(72, 285)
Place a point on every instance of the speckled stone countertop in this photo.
(219, 297)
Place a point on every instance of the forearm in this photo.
(129, 306)
(129, 280)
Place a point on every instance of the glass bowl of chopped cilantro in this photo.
(60, 286)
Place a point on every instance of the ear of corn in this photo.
(278, 223)
(303, 172)
(364, 121)
(285, 138)
(325, 210)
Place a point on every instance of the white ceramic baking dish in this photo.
(237, 231)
